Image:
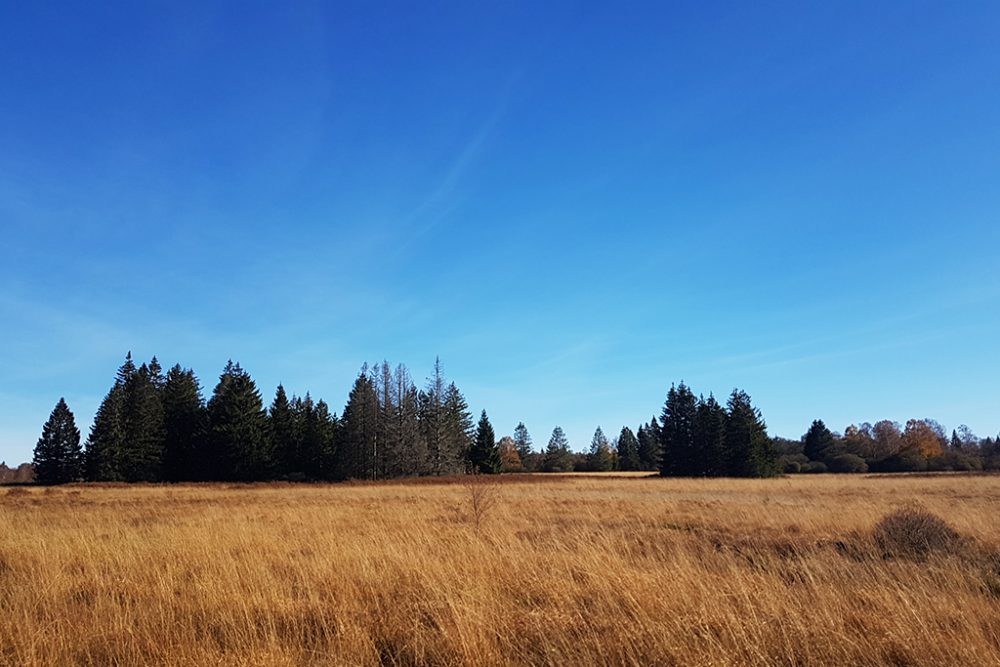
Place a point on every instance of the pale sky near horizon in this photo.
(573, 204)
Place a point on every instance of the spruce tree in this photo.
(628, 450)
(677, 435)
(458, 429)
(432, 420)
(106, 443)
(407, 450)
(484, 454)
(358, 435)
(238, 431)
(318, 441)
(185, 423)
(557, 456)
(649, 445)
(284, 438)
(58, 458)
(710, 437)
(600, 458)
(817, 441)
(522, 440)
(142, 456)
(749, 450)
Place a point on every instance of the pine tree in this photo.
(817, 441)
(600, 458)
(238, 430)
(458, 429)
(142, 456)
(58, 458)
(318, 436)
(710, 437)
(284, 438)
(522, 440)
(184, 426)
(484, 454)
(557, 455)
(649, 445)
(748, 448)
(358, 436)
(628, 450)
(106, 443)
(677, 435)
(432, 420)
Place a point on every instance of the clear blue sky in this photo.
(572, 204)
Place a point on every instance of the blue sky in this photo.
(574, 205)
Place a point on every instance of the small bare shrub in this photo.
(912, 532)
(483, 496)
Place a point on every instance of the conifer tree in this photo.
(58, 458)
(184, 426)
(817, 441)
(284, 438)
(142, 456)
(238, 429)
(432, 420)
(408, 449)
(649, 445)
(522, 440)
(318, 445)
(105, 445)
(748, 448)
(484, 454)
(677, 435)
(628, 450)
(557, 456)
(600, 458)
(458, 429)
(358, 435)
(710, 437)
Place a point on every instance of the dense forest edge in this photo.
(157, 427)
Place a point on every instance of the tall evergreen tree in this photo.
(677, 435)
(58, 458)
(407, 449)
(522, 440)
(106, 443)
(458, 428)
(748, 448)
(628, 450)
(817, 441)
(142, 456)
(238, 428)
(484, 454)
(600, 458)
(557, 456)
(710, 437)
(184, 426)
(358, 435)
(649, 445)
(284, 435)
(318, 441)
(432, 421)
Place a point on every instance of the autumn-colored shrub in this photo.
(912, 532)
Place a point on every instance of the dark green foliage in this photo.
(458, 429)
(749, 451)
(628, 450)
(185, 423)
(107, 438)
(357, 441)
(141, 458)
(846, 463)
(710, 438)
(817, 441)
(679, 455)
(600, 458)
(284, 435)
(522, 440)
(58, 458)
(484, 454)
(557, 456)
(432, 421)
(649, 445)
(238, 436)
(317, 433)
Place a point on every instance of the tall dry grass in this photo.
(561, 571)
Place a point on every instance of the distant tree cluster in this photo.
(154, 427)
(886, 446)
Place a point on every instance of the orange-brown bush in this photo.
(913, 532)
(569, 570)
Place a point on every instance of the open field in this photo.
(561, 570)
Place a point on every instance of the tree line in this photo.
(158, 427)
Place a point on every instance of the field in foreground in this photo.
(561, 570)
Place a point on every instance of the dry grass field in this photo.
(561, 570)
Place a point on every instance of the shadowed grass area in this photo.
(556, 570)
